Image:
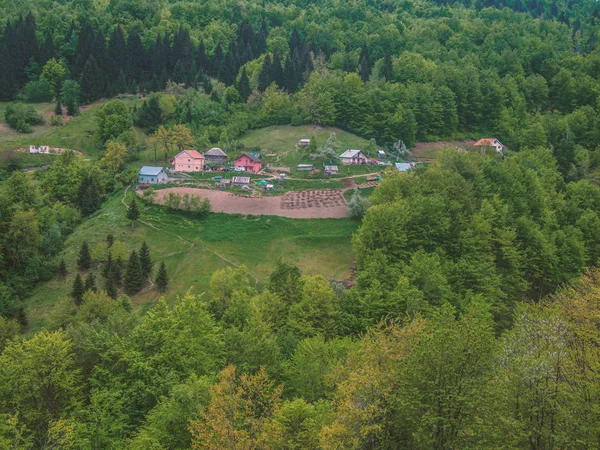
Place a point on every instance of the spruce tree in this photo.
(78, 290)
(84, 261)
(243, 86)
(179, 73)
(92, 82)
(364, 63)
(133, 212)
(387, 67)
(57, 108)
(107, 267)
(90, 283)
(121, 85)
(110, 286)
(133, 274)
(162, 278)
(264, 78)
(62, 269)
(110, 240)
(276, 69)
(145, 260)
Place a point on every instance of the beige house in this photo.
(188, 161)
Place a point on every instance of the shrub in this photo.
(21, 117)
(56, 121)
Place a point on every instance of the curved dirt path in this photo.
(313, 204)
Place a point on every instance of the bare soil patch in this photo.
(427, 151)
(314, 204)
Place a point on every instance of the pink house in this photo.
(249, 163)
(188, 161)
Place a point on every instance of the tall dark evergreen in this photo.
(90, 283)
(62, 269)
(110, 286)
(162, 278)
(228, 70)
(136, 57)
(264, 77)
(276, 69)
(89, 195)
(290, 75)
(201, 58)
(133, 212)
(91, 82)
(117, 51)
(133, 274)
(47, 50)
(84, 261)
(364, 63)
(121, 84)
(216, 60)
(387, 66)
(243, 85)
(78, 290)
(145, 261)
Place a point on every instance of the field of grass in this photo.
(193, 249)
(282, 141)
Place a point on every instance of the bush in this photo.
(56, 121)
(358, 204)
(38, 91)
(21, 117)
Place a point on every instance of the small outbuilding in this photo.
(240, 181)
(215, 156)
(152, 175)
(403, 167)
(330, 170)
(353, 157)
(304, 167)
(380, 154)
(304, 142)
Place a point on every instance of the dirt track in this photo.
(314, 204)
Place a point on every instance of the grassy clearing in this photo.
(193, 249)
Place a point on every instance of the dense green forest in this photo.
(472, 320)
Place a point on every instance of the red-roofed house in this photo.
(490, 142)
(249, 163)
(188, 161)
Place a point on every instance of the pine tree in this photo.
(145, 260)
(121, 85)
(84, 262)
(78, 290)
(162, 278)
(207, 85)
(133, 274)
(110, 286)
(179, 72)
(364, 63)
(90, 283)
(276, 70)
(264, 78)
(92, 82)
(57, 108)
(387, 67)
(110, 240)
(133, 212)
(107, 267)
(62, 269)
(243, 86)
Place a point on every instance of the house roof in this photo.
(403, 167)
(251, 156)
(215, 151)
(350, 153)
(150, 170)
(485, 141)
(194, 154)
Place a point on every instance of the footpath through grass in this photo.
(193, 249)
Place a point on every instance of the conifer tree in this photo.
(264, 78)
(364, 63)
(133, 274)
(78, 290)
(162, 278)
(110, 240)
(107, 267)
(276, 69)
(179, 73)
(243, 85)
(133, 212)
(110, 286)
(121, 85)
(57, 108)
(387, 66)
(90, 283)
(92, 82)
(145, 261)
(84, 261)
(62, 269)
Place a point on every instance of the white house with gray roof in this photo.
(152, 175)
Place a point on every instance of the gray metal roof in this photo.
(403, 167)
(150, 170)
(350, 153)
(215, 151)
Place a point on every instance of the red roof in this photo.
(195, 154)
(485, 141)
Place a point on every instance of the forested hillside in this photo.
(471, 318)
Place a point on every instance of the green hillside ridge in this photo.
(193, 249)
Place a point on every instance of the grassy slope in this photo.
(187, 246)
